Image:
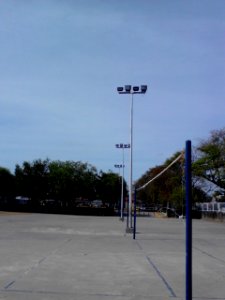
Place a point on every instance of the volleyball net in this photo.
(179, 157)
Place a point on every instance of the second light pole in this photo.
(121, 199)
(122, 146)
(128, 89)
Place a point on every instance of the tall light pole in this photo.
(128, 89)
(119, 166)
(122, 146)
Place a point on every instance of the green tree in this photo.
(7, 185)
(210, 162)
(65, 182)
(168, 188)
(109, 188)
(71, 180)
(32, 180)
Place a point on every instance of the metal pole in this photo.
(121, 207)
(131, 161)
(118, 201)
(135, 213)
(188, 186)
(128, 89)
(127, 209)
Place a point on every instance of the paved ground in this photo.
(46, 257)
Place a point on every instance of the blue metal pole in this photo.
(135, 209)
(188, 188)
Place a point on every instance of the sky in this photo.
(62, 60)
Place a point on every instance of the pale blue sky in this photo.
(61, 61)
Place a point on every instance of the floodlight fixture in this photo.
(144, 89)
(118, 166)
(121, 145)
(126, 145)
(120, 89)
(128, 88)
(135, 89)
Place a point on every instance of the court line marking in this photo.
(172, 293)
(210, 255)
(37, 264)
(167, 285)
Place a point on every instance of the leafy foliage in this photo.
(7, 184)
(167, 188)
(32, 179)
(208, 166)
(210, 163)
(65, 182)
(109, 187)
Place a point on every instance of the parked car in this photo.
(97, 203)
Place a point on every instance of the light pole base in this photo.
(122, 219)
(129, 230)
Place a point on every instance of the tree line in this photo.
(66, 184)
(59, 185)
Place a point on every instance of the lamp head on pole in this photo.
(129, 89)
(144, 89)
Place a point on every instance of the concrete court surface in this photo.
(46, 257)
